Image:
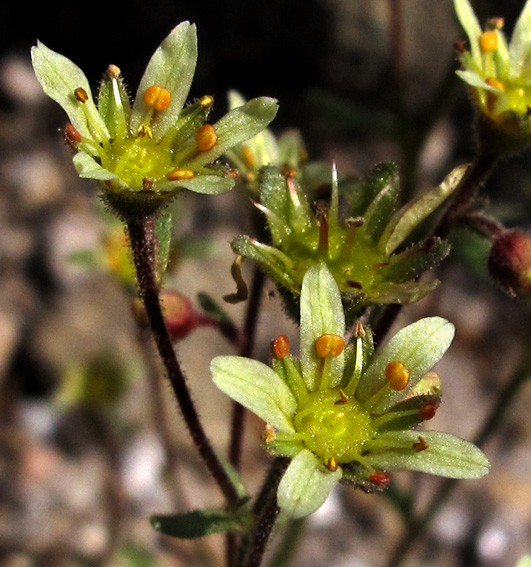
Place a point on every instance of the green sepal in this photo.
(366, 191)
(200, 523)
(380, 210)
(413, 213)
(416, 260)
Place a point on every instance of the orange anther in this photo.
(81, 94)
(495, 83)
(329, 346)
(332, 464)
(280, 347)
(206, 101)
(248, 156)
(428, 410)
(158, 98)
(180, 175)
(206, 137)
(397, 374)
(488, 41)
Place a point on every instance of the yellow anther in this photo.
(491, 81)
(113, 72)
(158, 98)
(332, 464)
(206, 101)
(280, 347)
(81, 94)
(488, 42)
(206, 138)
(269, 434)
(397, 374)
(180, 175)
(144, 131)
(329, 346)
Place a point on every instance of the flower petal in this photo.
(418, 346)
(206, 184)
(237, 126)
(59, 78)
(257, 387)
(321, 313)
(171, 67)
(445, 454)
(470, 24)
(305, 485)
(88, 168)
(520, 45)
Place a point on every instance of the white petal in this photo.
(305, 485)
(257, 387)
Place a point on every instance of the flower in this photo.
(365, 252)
(498, 73)
(341, 413)
(143, 153)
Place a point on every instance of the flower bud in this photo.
(509, 262)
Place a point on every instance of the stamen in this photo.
(269, 433)
(428, 410)
(488, 42)
(113, 72)
(206, 101)
(397, 375)
(81, 94)
(157, 97)
(329, 346)
(495, 83)
(332, 464)
(71, 135)
(180, 175)
(420, 445)
(206, 138)
(342, 398)
(280, 347)
(382, 479)
(144, 131)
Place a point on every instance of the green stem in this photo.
(286, 550)
(417, 527)
(141, 241)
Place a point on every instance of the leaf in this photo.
(200, 523)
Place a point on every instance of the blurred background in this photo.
(86, 454)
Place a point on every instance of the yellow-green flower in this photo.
(498, 73)
(143, 152)
(340, 412)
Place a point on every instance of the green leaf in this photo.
(257, 387)
(237, 126)
(321, 313)
(171, 67)
(200, 523)
(446, 455)
(412, 214)
(59, 78)
(305, 485)
(419, 347)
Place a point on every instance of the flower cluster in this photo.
(341, 413)
(498, 73)
(365, 252)
(144, 152)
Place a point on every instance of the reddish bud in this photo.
(509, 262)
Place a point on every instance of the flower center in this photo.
(333, 426)
(136, 158)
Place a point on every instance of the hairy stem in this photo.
(141, 241)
